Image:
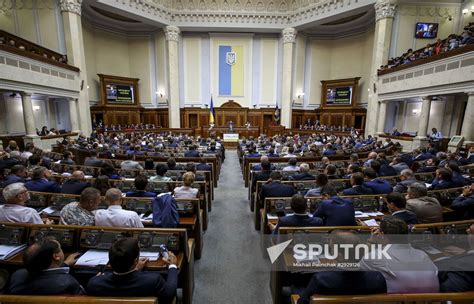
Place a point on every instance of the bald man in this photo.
(75, 184)
(114, 215)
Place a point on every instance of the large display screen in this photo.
(338, 96)
(426, 30)
(120, 93)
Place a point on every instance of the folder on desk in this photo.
(7, 251)
(93, 258)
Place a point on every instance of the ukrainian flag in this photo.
(212, 113)
(231, 70)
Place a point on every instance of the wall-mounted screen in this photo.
(426, 30)
(337, 96)
(120, 93)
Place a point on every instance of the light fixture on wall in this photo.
(415, 111)
(467, 11)
(300, 95)
(36, 108)
(161, 96)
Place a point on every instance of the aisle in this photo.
(231, 269)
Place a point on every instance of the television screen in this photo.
(119, 93)
(339, 96)
(426, 30)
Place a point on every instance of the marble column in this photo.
(421, 138)
(172, 70)
(71, 13)
(381, 117)
(467, 129)
(73, 114)
(28, 115)
(289, 39)
(52, 122)
(384, 13)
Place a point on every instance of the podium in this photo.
(232, 136)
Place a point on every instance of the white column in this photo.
(28, 116)
(289, 38)
(172, 70)
(424, 118)
(467, 129)
(51, 113)
(71, 13)
(73, 111)
(381, 117)
(384, 13)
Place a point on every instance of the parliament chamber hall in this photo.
(236, 151)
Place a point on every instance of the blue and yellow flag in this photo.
(231, 70)
(212, 113)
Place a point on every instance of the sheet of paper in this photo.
(93, 258)
(49, 210)
(6, 251)
(378, 213)
(152, 256)
(272, 216)
(431, 250)
(371, 222)
(361, 215)
(427, 185)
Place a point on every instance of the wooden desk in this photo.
(206, 131)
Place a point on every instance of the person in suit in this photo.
(39, 181)
(427, 209)
(128, 278)
(329, 150)
(430, 166)
(335, 211)
(454, 274)
(171, 164)
(406, 269)
(300, 218)
(351, 169)
(304, 173)
(274, 187)
(46, 271)
(406, 179)
(382, 168)
(331, 172)
(344, 282)
(92, 160)
(378, 185)
(292, 165)
(67, 158)
(203, 166)
(396, 204)
(140, 183)
(358, 188)
(75, 184)
(17, 175)
(464, 204)
(443, 179)
(398, 164)
(263, 175)
(192, 152)
(457, 178)
(130, 163)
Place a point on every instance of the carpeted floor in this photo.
(232, 269)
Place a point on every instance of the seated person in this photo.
(457, 177)
(15, 211)
(300, 218)
(344, 282)
(382, 168)
(398, 164)
(331, 172)
(395, 132)
(130, 163)
(274, 187)
(67, 158)
(304, 173)
(408, 270)
(430, 166)
(140, 188)
(443, 179)
(39, 181)
(192, 152)
(186, 191)
(396, 204)
(191, 167)
(406, 179)
(452, 273)
(160, 174)
(292, 165)
(171, 164)
(464, 204)
(128, 279)
(75, 184)
(81, 213)
(46, 271)
(17, 175)
(351, 169)
(203, 166)
(321, 181)
(358, 188)
(378, 185)
(263, 175)
(114, 215)
(427, 209)
(92, 160)
(335, 211)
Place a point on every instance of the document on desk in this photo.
(93, 258)
(146, 218)
(371, 222)
(49, 210)
(272, 216)
(7, 251)
(152, 256)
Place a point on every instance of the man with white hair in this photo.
(114, 215)
(14, 210)
(304, 173)
(407, 178)
(370, 158)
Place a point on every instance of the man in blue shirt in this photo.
(140, 182)
(335, 211)
(40, 182)
(378, 185)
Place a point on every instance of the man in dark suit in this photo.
(397, 203)
(140, 183)
(300, 218)
(129, 280)
(46, 272)
(431, 165)
(203, 166)
(454, 274)
(304, 173)
(275, 188)
(75, 184)
(17, 175)
(464, 204)
(67, 158)
(344, 282)
(40, 183)
(192, 152)
(92, 160)
(262, 175)
(383, 169)
(358, 188)
(335, 211)
(378, 185)
(331, 172)
(443, 180)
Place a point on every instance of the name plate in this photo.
(231, 137)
